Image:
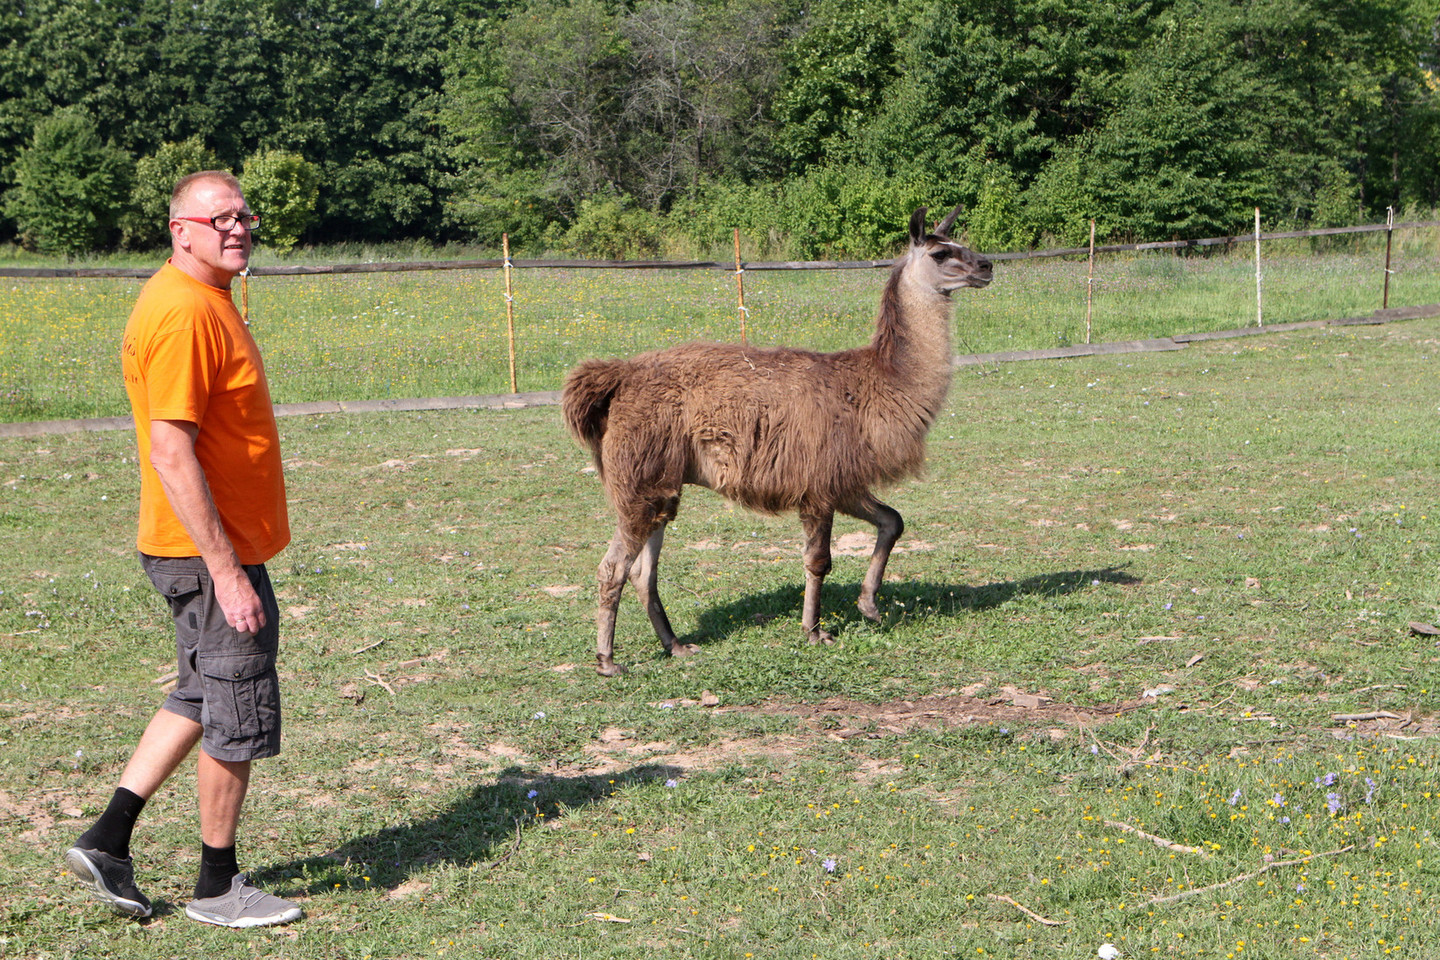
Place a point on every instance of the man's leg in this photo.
(222, 785)
(100, 859)
(167, 740)
(222, 893)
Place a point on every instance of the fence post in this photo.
(740, 286)
(1090, 281)
(1389, 235)
(509, 311)
(1259, 313)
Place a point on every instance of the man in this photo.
(212, 512)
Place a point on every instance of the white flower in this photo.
(1107, 951)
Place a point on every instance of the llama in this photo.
(772, 429)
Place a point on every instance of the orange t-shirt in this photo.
(188, 355)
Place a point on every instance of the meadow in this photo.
(1146, 677)
(408, 335)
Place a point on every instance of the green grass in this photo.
(381, 336)
(1251, 523)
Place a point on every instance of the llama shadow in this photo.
(897, 599)
(486, 825)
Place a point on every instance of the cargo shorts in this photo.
(227, 679)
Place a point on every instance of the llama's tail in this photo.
(585, 400)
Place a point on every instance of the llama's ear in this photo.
(943, 227)
(917, 227)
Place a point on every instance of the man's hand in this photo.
(172, 453)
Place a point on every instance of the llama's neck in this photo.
(912, 345)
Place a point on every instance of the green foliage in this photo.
(997, 223)
(283, 189)
(472, 118)
(613, 229)
(70, 186)
(144, 225)
(837, 71)
(846, 212)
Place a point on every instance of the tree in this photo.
(838, 70)
(144, 225)
(1181, 154)
(697, 91)
(283, 188)
(495, 182)
(70, 186)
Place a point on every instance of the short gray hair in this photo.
(186, 186)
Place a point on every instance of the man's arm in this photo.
(172, 454)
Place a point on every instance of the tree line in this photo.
(631, 127)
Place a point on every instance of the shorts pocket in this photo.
(242, 694)
(175, 587)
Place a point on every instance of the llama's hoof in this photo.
(818, 636)
(869, 610)
(683, 650)
(607, 667)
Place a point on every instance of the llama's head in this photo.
(941, 263)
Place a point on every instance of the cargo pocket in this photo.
(241, 694)
(176, 588)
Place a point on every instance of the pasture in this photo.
(1134, 595)
(406, 335)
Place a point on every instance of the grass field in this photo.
(1134, 595)
(405, 335)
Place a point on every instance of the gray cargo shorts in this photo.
(227, 683)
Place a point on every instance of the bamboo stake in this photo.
(740, 286)
(1389, 235)
(1259, 313)
(509, 311)
(1090, 282)
(245, 295)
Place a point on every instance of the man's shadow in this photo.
(897, 599)
(486, 825)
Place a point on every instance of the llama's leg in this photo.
(611, 578)
(888, 527)
(644, 573)
(817, 565)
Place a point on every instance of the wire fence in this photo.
(558, 316)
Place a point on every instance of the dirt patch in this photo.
(850, 718)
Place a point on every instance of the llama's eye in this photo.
(941, 255)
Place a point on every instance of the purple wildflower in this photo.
(1278, 800)
(1333, 801)
(672, 783)
(1234, 797)
(1370, 788)
(1328, 780)
(829, 864)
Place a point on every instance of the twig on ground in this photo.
(508, 853)
(1247, 876)
(371, 646)
(1000, 897)
(1372, 715)
(1158, 841)
(379, 681)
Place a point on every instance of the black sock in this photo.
(217, 868)
(111, 833)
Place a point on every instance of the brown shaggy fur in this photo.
(772, 429)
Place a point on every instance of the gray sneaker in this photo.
(109, 878)
(243, 906)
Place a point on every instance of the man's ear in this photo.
(180, 233)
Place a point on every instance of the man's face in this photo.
(222, 253)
